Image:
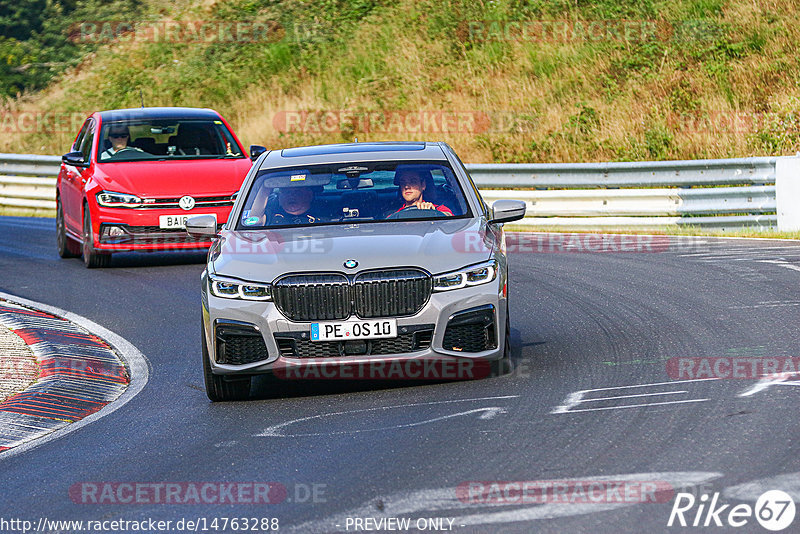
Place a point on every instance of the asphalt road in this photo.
(609, 323)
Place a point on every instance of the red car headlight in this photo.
(111, 199)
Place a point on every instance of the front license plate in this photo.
(176, 221)
(347, 330)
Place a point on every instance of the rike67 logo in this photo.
(774, 510)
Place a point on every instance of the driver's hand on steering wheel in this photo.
(424, 205)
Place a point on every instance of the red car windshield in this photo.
(158, 139)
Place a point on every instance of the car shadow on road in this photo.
(266, 387)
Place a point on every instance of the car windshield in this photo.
(346, 193)
(158, 139)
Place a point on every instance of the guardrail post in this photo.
(787, 193)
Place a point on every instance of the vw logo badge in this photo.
(186, 203)
(351, 264)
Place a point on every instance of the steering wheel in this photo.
(413, 212)
(127, 150)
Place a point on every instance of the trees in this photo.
(36, 40)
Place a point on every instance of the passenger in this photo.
(412, 186)
(118, 135)
(294, 206)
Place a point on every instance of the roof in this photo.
(338, 153)
(158, 113)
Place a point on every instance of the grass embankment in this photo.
(612, 80)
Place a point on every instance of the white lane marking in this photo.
(632, 406)
(444, 502)
(487, 413)
(276, 431)
(772, 304)
(637, 395)
(579, 397)
(138, 365)
(793, 267)
(751, 491)
(653, 384)
(767, 382)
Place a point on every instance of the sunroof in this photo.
(350, 148)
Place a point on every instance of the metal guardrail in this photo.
(29, 164)
(726, 193)
(28, 183)
(648, 174)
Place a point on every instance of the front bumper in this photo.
(285, 345)
(122, 230)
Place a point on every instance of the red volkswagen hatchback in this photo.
(134, 176)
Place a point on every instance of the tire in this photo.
(92, 258)
(221, 388)
(67, 247)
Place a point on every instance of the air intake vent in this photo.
(239, 344)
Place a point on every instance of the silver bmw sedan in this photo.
(375, 261)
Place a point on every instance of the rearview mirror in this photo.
(256, 150)
(355, 183)
(202, 226)
(504, 211)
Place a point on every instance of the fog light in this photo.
(113, 232)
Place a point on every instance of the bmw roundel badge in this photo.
(351, 264)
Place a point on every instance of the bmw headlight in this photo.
(110, 199)
(232, 289)
(473, 275)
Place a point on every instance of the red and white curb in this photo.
(84, 372)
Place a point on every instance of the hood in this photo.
(168, 179)
(436, 246)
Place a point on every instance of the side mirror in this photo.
(504, 211)
(74, 158)
(202, 226)
(256, 150)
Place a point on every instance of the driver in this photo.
(118, 134)
(294, 204)
(412, 186)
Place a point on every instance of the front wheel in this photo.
(67, 248)
(221, 388)
(92, 258)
